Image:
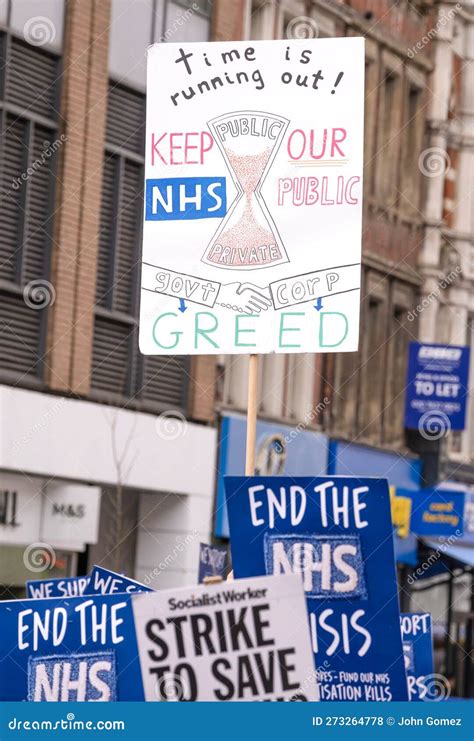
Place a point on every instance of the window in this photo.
(299, 401)
(272, 380)
(37, 19)
(135, 25)
(262, 20)
(29, 141)
(413, 134)
(373, 339)
(119, 371)
(388, 142)
(272, 383)
(443, 323)
(288, 19)
(400, 332)
(285, 386)
(370, 122)
(235, 369)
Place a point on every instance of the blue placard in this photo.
(337, 533)
(212, 561)
(349, 459)
(437, 388)
(71, 586)
(170, 199)
(104, 581)
(437, 512)
(69, 650)
(418, 654)
(281, 450)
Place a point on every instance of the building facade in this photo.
(80, 407)
(358, 398)
(446, 309)
(447, 259)
(364, 391)
(140, 442)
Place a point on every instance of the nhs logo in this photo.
(185, 198)
(330, 566)
(72, 678)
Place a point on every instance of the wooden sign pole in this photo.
(251, 416)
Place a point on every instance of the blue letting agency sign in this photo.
(104, 581)
(69, 650)
(437, 388)
(418, 655)
(337, 533)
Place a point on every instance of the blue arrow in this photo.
(182, 305)
(319, 304)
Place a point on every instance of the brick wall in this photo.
(406, 21)
(202, 387)
(228, 20)
(83, 108)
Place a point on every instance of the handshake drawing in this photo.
(244, 297)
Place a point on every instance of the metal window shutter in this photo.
(128, 249)
(118, 367)
(31, 79)
(165, 380)
(14, 157)
(112, 341)
(37, 238)
(107, 218)
(126, 119)
(19, 333)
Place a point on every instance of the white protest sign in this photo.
(253, 197)
(245, 640)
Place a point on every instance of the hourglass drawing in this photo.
(247, 238)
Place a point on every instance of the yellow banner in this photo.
(401, 511)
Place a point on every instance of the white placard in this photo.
(238, 641)
(253, 197)
(70, 515)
